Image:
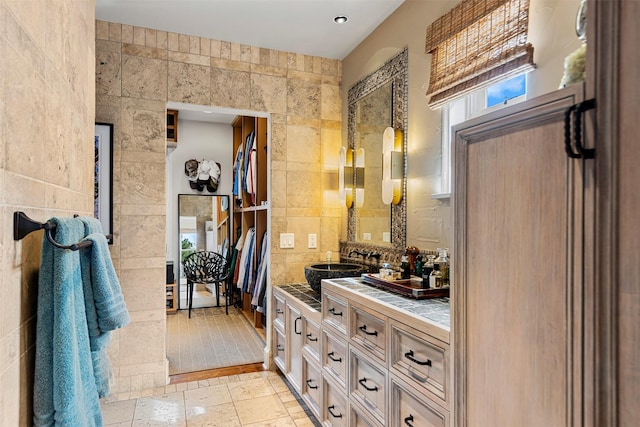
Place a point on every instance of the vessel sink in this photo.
(314, 273)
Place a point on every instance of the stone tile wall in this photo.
(46, 163)
(138, 70)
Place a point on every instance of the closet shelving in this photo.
(251, 209)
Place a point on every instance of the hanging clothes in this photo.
(261, 271)
(248, 146)
(250, 163)
(246, 261)
(237, 176)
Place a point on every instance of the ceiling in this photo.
(300, 26)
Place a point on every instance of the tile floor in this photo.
(245, 400)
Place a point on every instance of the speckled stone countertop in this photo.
(436, 310)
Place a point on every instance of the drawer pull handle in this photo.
(409, 355)
(333, 311)
(279, 347)
(334, 415)
(295, 325)
(312, 339)
(362, 382)
(335, 359)
(279, 311)
(313, 387)
(363, 328)
(407, 421)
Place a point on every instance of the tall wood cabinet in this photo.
(523, 258)
(546, 320)
(251, 204)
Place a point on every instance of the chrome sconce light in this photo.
(392, 166)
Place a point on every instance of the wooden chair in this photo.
(206, 267)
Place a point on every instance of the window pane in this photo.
(502, 92)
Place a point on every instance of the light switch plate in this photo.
(313, 241)
(286, 240)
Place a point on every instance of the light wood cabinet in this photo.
(377, 366)
(523, 227)
(296, 344)
(250, 202)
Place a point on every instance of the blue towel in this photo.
(65, 391)
(104, 302)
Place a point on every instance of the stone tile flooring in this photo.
(245, 400)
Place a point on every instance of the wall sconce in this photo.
(392, 166)
(359, 176)
(345, 176)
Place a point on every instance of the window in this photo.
(506, 92)
(475, 45)
(503, 92)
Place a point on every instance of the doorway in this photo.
(202, 220)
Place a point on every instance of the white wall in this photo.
(196, 140)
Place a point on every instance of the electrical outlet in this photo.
(313, 241)
(286, 240)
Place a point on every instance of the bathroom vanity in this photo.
(359, 355)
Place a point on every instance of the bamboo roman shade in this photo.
(475, 44)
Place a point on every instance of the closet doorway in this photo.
(203, 220)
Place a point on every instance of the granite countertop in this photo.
(436, 310)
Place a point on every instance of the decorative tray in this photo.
(408, 287)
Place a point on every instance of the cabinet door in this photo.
(294, 346)
(517, 294)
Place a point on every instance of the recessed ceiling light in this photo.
(340, 19)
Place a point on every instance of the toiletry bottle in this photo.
(426, 271)
(418, 266)
(435, 279)
(412, 252)
(406, 269)
(443, 261)
(385, 271)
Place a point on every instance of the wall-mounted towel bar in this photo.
(23, 225)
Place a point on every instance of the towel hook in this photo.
(23, 225)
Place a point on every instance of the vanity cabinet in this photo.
(251, 204)
(381, 366)
(296, 346)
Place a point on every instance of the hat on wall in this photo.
(191, 169)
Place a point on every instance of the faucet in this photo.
(373, 254)
(357, 252)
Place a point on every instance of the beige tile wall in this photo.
(137, 71)
(46, 163)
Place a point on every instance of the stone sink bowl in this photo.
(314, 273)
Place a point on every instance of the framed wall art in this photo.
(103, 177)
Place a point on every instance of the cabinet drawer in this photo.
(311, 387)
(421, 359)
(312, 338)
(369, 331)
(410, 408)
(279, 345)
(359, 417)
(368, 384)
(334, 358)
(335, 409)
(334, 311)
(278, 311)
